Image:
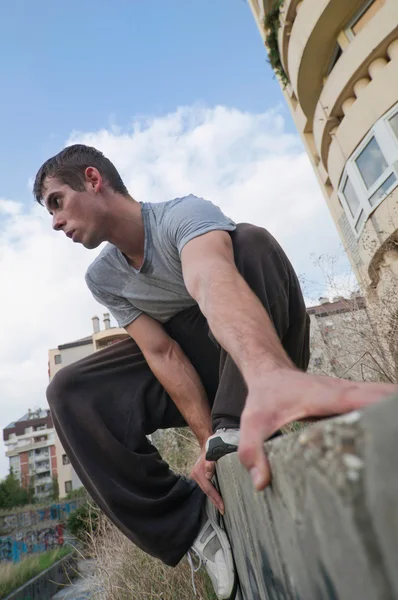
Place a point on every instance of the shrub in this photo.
(83, 521)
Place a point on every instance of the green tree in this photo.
(12, 493)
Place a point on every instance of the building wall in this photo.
(67, 354)
(24, 475)
(53, 457)
(341, 60)
(65, 470)
(345, 344)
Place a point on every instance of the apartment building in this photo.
(63, 355)
(337, 62)
(30, 446)
(344, 342)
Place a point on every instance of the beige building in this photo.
(64, 355)
(339, 63)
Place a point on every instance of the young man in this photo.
(219, 341)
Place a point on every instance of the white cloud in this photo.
(246, 163)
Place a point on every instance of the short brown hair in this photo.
(69, 166)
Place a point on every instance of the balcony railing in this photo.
(42, 468)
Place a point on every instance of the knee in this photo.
(60, 388)
(250, 240)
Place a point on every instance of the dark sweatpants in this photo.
(105, 405)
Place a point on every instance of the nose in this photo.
(58, 222)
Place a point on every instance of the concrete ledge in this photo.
(327, 527)
(48, 582)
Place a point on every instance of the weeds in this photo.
(123, 571)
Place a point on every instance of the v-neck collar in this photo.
(147, 243)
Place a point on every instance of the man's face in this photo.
(80, 215)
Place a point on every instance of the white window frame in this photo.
(348, 30)
(388, 143)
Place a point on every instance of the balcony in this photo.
(28, 445)
(311, 44)
(41, 455)
(41, 479)
(42, 467)
(352, 69)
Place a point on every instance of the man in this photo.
(219, 341)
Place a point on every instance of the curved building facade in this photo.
(341, 61)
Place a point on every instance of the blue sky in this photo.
(85, 65)
(179, 95)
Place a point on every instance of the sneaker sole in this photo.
(212, 513)
(216, 448)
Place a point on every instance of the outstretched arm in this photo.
(278, 392)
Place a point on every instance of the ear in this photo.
(93, 178)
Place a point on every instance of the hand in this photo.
(202, 473)
(287, 395)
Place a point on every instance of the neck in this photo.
(125, 229)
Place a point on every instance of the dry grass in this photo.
(123, 571)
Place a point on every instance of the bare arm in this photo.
(234, 313)
(181, 381)
(278, 392)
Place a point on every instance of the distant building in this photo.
(64, 355)
(30, 446)
(343, 341)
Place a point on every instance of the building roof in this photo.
(43, 413)
(82, 342)
(342, 305)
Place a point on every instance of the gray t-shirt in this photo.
(157, 288)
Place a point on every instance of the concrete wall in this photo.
(327, 527)
(45, 585)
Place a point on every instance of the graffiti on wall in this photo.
(35, 530)
(11, 523)
(36, 540)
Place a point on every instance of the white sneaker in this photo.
(223, 442)
(212, 550)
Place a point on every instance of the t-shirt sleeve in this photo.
(192, 217)
(121, 309)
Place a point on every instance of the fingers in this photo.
(200, 475)
(210, 468)
(213, 494)
(251, 450)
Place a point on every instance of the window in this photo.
(57, 359)
(371, 163)
(393, 121)
(351, 197)
(15, 462)
(363, 16)
(65, 460)
(371, 172)
(337, 52)
(68, 487)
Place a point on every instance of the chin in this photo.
(91, 244)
